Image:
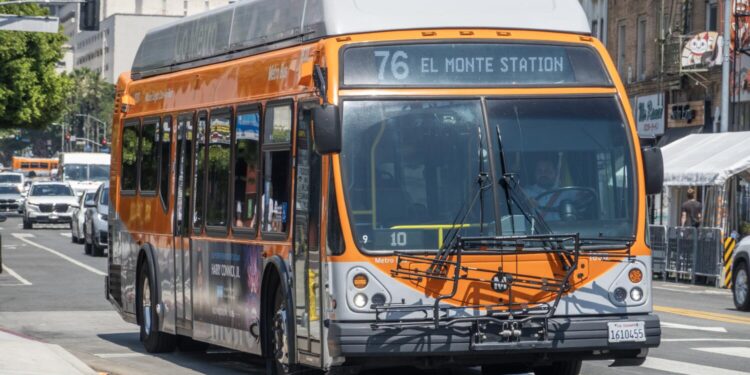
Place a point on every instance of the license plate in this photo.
(627, 332)
(53, 217)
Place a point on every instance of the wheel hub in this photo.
(146, 305)
(740, 286)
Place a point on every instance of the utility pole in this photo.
(726, 68)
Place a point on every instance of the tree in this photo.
(32, 93)
(89, 95)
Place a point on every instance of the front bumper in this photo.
(569, 337)
(50, 217)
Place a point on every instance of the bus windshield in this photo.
(411, 167)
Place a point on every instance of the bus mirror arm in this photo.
(319, 76)
(653, 169)
(326, 129)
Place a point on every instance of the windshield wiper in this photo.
(514, 194)
(449, 239)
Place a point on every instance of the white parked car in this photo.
(49, 202)
(13, 178)
(96, 225)
(741, 275)
(79, 216)
(11, 199)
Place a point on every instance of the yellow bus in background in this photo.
(345, 185)
(34, 167)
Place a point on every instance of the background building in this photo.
(111, 50)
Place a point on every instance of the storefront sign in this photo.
(702, 51)
(682, 115)
(649, 115)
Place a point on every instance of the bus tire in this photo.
(153, 340)
(569, 367)
(740, 292)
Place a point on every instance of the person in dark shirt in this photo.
(692, 211)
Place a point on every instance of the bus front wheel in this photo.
(153, 340)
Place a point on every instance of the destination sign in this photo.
(472, 65)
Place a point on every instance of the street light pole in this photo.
(103, 124)
(725, 69)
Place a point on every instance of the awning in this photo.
(706, 159)
(675, 134)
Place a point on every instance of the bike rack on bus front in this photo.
(507, 321)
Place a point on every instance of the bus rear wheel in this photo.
(570, 367)
(153, 340)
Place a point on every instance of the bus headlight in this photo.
(360, 300)
(636, 294)
(620, 294)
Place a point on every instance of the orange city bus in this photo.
(39, 166)
(341, 185)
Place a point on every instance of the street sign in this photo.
(9, 22)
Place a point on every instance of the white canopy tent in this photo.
(713, 164)
(706, 159)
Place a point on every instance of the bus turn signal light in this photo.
(635, 275)
(360, 281)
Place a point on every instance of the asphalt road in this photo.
(50, 290)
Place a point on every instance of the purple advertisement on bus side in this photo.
(227, 284)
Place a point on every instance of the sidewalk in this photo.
(25, 356)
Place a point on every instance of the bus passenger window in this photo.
(44, 165)
(164, 172)
(200, 171)
(25, 165)
(129, 157)
(276, 169)
(149, 157)
(219, 141)
(246, 168)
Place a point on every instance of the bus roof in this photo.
(84, 158)
(253, 26)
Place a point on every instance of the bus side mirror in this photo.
(326, 129)
(653, 168)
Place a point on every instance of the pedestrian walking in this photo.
(692, 211)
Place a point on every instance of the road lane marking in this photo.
(679, 367)
(733, 351)
(726, 318)
(119, 355)
(16, 275)
(682, 290)
(25, 238)
(693, 328)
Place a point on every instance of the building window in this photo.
(277, 167)
(149, 157)
(641, 50)
(712, 16)
(246, 167)
(219, 148)
(595, 29)
(130, 157)
(621, 64)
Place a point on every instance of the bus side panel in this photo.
(226, 293)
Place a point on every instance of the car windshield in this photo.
(86, 172)
(104, 198)
(411, 167)
(9, 190)
(51, 190)
(10, 178)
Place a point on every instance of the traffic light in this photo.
(89, 17)
(104, 141)
(67, 136)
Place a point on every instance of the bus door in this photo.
(307, 255)
(181, 241)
